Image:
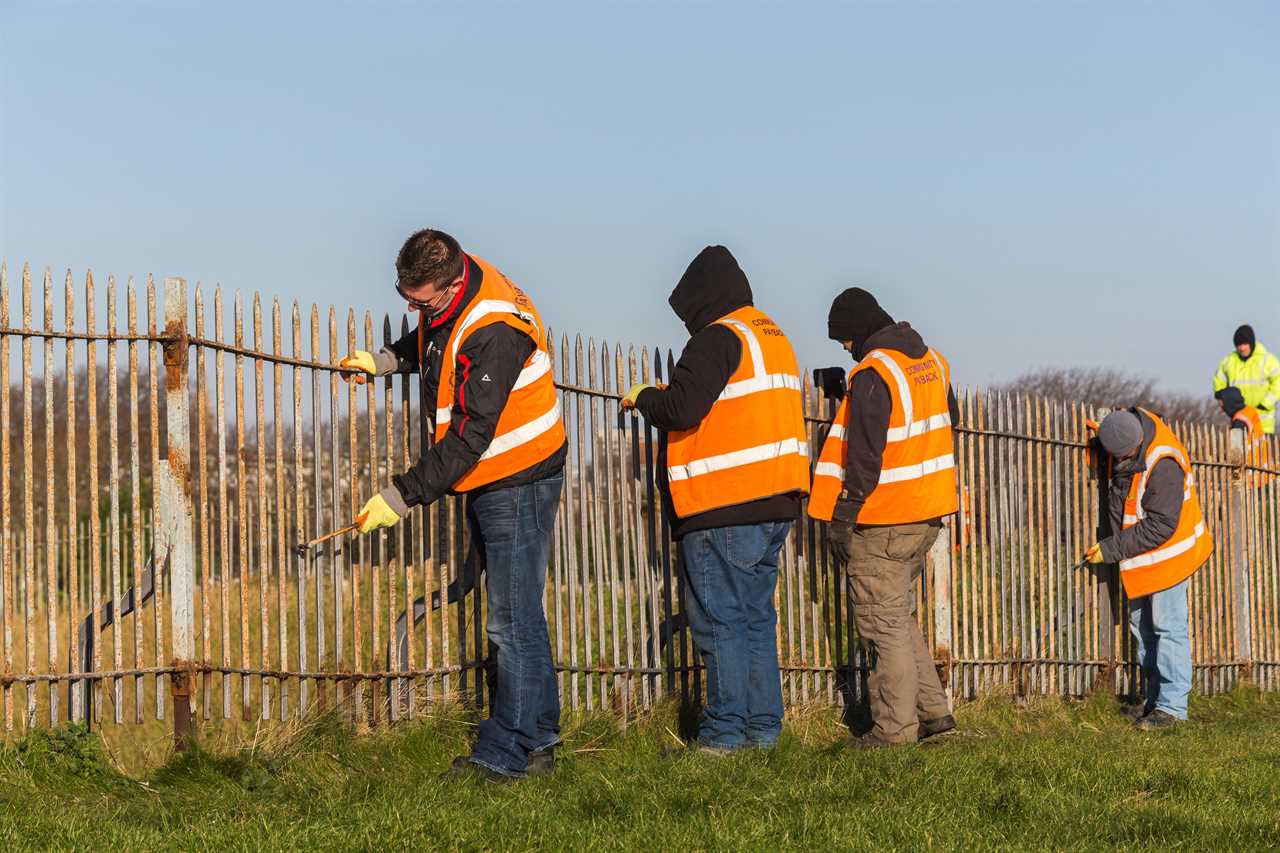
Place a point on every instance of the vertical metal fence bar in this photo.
(359, 562)
(94, 701)
(298, 531)
(155, 355)
(243, 515)
(50, 514)
(75, 659)
(28, 505)
(338, 553)
(390, 538)
(280, 512)
(568, 510)
(115, 567)
(224, 539)
(203, 510)
(135, 500)
(315, 557)
(263, 516)
(377, 547)
(599, 560)
(6, 511)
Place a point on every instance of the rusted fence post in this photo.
(940, 577)
(174, 542)
(1239, 567)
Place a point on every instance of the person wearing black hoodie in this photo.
(733, 468)
(881, 535)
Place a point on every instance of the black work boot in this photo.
(463, 767)
(542, 762)
(1157, 719)
(936, 726)
(868, 741)
(1136, 711)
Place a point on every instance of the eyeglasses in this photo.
(417, 303)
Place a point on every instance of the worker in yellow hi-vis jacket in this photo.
(1256, 372)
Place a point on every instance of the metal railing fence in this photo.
(155, 473)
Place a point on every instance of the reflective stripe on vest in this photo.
(752, 444)
(530, 428)
(1190, 545)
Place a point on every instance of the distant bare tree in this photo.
(1105, 386)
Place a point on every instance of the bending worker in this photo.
(885, 478)
(1253, 369)
(1162, 541)
(1246, 419)
(499, 440)
(734, 466)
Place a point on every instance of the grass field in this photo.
(1050, 774)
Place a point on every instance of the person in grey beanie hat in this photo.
(1145, 510)
(1120, 433)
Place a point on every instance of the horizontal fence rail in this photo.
(166, 448)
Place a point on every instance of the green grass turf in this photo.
(1049, 774)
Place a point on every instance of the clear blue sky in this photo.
(1029, 184)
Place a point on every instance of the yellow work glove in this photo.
(359, 360)
(1094, 554)
(376, 514)
(629, 401)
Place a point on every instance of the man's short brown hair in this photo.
(429, 257)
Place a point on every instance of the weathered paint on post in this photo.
(940, 578)
(1239, 564)
(175, 545)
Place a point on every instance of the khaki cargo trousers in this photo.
(884, 563)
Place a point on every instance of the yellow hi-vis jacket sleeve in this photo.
(1220, 378)
(1271, 372)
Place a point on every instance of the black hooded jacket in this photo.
(869, 408)
(488, 365)
(710, 288)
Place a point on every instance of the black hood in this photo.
(1244, 335)
(711, 287)
(1232, 400)
(900, 337)
(855, 316)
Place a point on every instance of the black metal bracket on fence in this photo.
(181, 684)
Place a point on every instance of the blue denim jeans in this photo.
(514, 526)
(1159, 623)
(731, 573)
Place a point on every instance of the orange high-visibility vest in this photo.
(752, 444)
(1251, 419)
(1186, 550)
(530, 428)
(917, 473)
(1257, 450)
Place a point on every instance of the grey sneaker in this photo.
(715, 751)
(936, 726)
(542, 762)
(1157, 719)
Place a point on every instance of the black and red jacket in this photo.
(489, 361)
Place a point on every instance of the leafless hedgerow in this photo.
(1106, 386)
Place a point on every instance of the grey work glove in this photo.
(840, 529)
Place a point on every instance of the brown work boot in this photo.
(936, 726)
